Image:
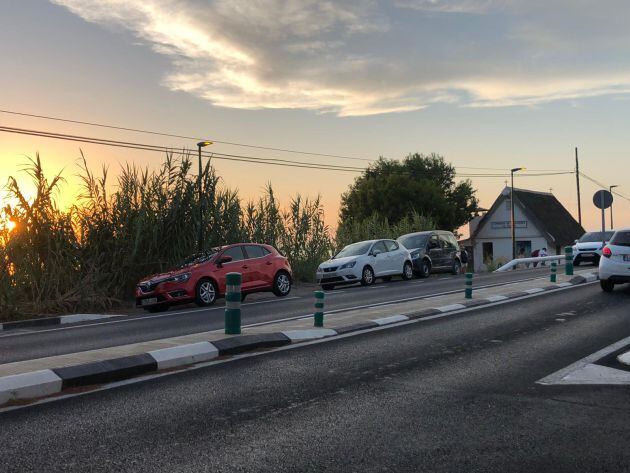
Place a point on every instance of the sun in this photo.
(11, 225)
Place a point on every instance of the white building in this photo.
(541, 221)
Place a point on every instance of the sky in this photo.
(487, 84)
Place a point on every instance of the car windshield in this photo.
(595, 236)
(412, 242)
(355, 249)
(198, 258)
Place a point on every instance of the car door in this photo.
(395, 257)
(258, 265)
(434, 250)
(238, 265)
(448, 250)
(379, 258)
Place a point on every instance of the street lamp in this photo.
(201, 144)
(512, 171)
(611, 214)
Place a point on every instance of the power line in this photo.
(171, 135)
(165, 149)
(559, 173)
(603, 186)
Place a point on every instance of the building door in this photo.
(488, 253)
(523, 249)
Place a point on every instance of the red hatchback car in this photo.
(201, 279)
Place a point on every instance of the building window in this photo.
(488, 254)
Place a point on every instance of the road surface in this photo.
(454, 394)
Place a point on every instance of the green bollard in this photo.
(233, 303)
(469, 279)
(568, 263)
(319, 309)
(554, 268)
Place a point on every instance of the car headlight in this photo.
(415, 254)
(179, 278)
(319, 269)
(348, 265)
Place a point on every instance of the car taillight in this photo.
(607, 252)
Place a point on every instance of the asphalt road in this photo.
(454, 394)
(37, 343)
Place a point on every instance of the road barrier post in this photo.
(469, 279)
(554, 268)
(319, 309)
(568, 263)
(233, 303)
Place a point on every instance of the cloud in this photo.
(364, 57)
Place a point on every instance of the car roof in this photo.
(426, 232)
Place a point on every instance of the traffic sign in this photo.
(602, 199)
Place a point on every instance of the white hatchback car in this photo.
(364, 262)
(614, 266)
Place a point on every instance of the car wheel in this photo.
(425, 269)
(576, 262)
(282, 284)
(607, 285)
(367, 276)
(243, 296)
(157, 308)
(206, 293)
(328, 287)
(457, 267)
(407, 273)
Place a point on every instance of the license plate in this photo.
(586, 254)
(626, 257)
(150, 300)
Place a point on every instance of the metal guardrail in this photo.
(537, 259)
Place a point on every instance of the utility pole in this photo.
(577, 179)
(610, 189)
(201, 144)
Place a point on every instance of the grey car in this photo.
(431, 251)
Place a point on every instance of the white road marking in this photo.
(582, 372)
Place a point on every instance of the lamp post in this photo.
(611, 213)
(512, 171)
(201, 144)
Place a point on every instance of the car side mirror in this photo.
(223, 259)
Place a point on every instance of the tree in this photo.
(420, 184)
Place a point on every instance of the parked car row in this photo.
(413, 254)
(201, 278)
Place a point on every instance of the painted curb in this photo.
(29, 385)
(243, 343)
(106, 371)
(297, 336)
(183, 355)
(392, 319)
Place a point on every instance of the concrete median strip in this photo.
(39, 382)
